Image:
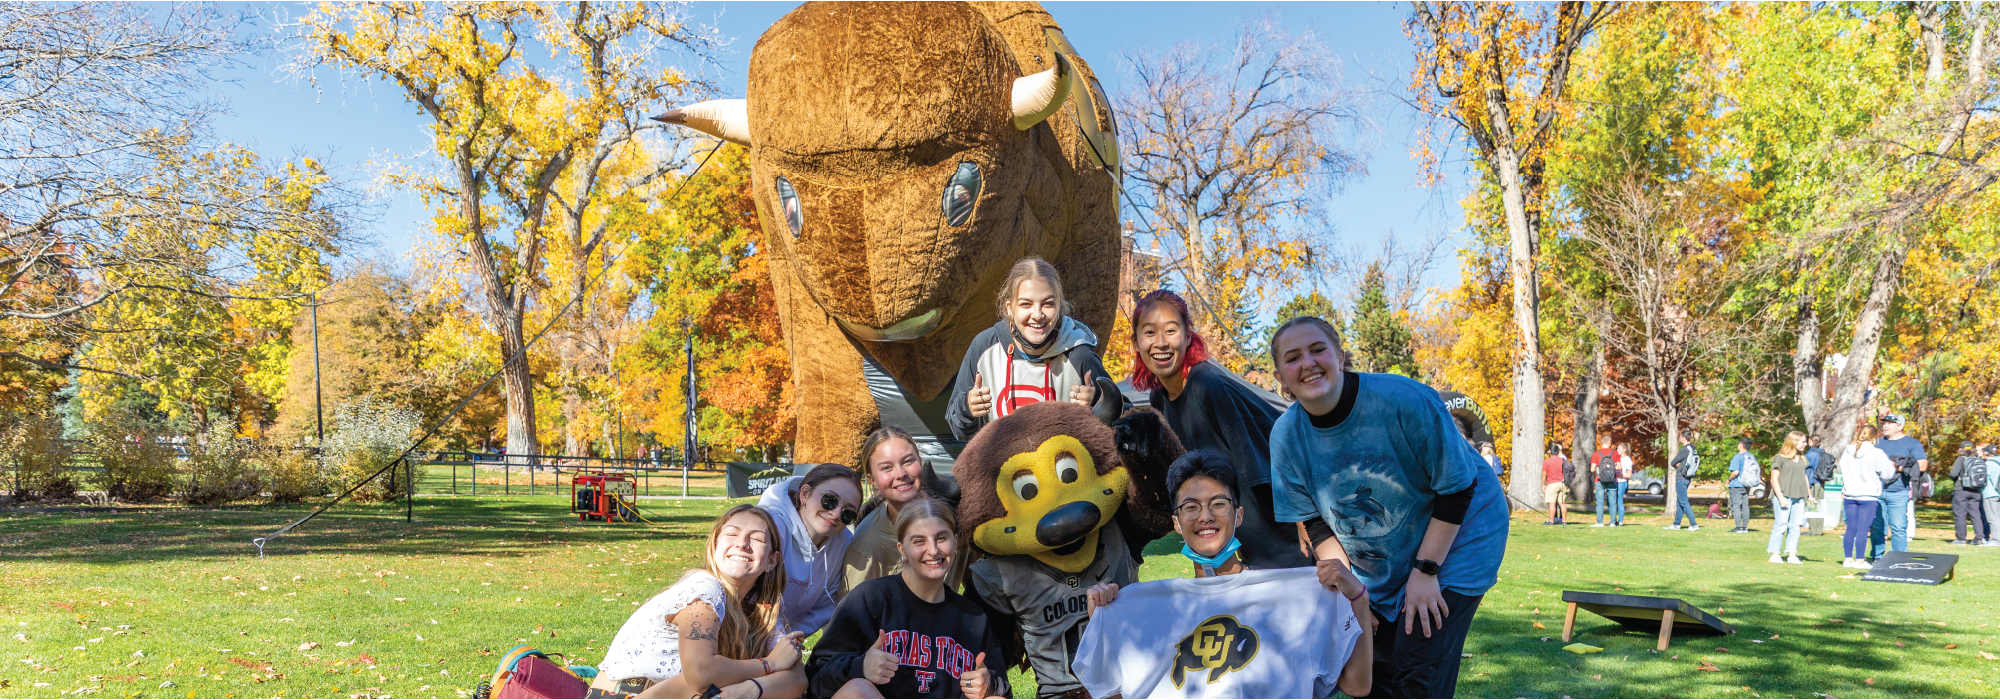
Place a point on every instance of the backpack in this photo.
(1828, 466)
(1690, 462)
(1607, 468)
(1974, 475)
(1569, 470)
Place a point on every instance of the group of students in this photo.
(1611, 469)
(1363, 485)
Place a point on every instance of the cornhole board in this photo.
(1668, 614)
(1921, 568)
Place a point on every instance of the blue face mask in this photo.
(1214, 561)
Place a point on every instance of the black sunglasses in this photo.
(829, 501)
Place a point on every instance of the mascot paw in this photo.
(1148, 447)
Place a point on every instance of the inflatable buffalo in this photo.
(903, 156)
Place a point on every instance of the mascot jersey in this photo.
(1018, 380)
(1050, 605)
(1274, 633)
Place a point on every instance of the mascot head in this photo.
(1041, 481)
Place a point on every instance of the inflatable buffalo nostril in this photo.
(903, 155)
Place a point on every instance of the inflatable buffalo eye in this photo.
(960, 193)
(788, 206)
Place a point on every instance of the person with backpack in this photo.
(1864, 469)
(1556, 473)
(1969, 477)
(1604, 466)
(1743, 476)
(1624, 482)
(1828, 471)
(1896, 518)
(1683, 467)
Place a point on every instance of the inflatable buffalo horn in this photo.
(1035, 98)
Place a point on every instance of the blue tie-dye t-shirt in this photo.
(1373, 478)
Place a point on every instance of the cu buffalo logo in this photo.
(1219, 645)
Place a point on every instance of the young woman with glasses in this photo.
(813, 512)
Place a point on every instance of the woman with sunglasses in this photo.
(813, 512)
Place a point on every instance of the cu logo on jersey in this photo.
(1218, 645)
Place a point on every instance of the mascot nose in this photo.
(1067, 523)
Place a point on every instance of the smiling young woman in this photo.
(812, 513)
(910, 635)
(1211, 409)
(1385, 486)
(897, 472)
(1036, 352)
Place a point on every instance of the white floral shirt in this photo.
(649, 645)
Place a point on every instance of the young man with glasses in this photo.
(1136, 648)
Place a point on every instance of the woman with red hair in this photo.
(1211, 408)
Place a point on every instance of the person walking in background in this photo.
(1830, 502)
(1682, 469)
(1486, 452)
(1556, 472)
(1863, 471)
(1624, 484)
(1990, 496)
(1743, 476)
(1895, 517)
(1604, 471)
(1790, 498)
(1968, 477)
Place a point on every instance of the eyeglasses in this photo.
(829, 501)
(1218, 507)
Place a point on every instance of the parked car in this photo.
(1647, 480)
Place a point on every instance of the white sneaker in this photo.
(1775, 559)
(1671, 527)
(1598, 525)
(1793, 559)
(1693, 527)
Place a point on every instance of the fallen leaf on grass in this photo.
(1597, 677)
(347, 643)
(1834, 619)
(1756, 641)
(1951, 646)
(1774, 636)
(1900, 645)
(1545, 639)
(1706, 666)
(1721, 649)
(1869, 681)
(308, 646)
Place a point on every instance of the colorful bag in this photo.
(525, 673)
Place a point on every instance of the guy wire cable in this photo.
(518, 354)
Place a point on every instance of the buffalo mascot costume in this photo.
(903, 155)
(1057, 502)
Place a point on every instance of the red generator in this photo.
(602, 497)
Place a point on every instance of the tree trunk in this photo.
(1673, 448)
(1850, 393)
(1806, 375)
(520, 388)
(1584, 436)
(1529, 409)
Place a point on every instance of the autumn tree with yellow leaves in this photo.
(536, 111)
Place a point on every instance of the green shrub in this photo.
(291, 476)
(32, 443)
(139, 465)
(218, 470)
(368, 435)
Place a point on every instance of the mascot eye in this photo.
(960, 193)
(1066, 469)
(1026, 486)
(788, 206)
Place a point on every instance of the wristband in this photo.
(1357, 596)
(767, 668)
(760, 687)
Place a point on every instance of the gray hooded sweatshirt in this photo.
(812, 574)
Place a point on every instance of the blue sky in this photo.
(357, 126)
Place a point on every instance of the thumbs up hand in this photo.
(1086, 393)
(972, 683)
(979, 400)
(879, 666)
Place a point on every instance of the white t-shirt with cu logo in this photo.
(1274, 633)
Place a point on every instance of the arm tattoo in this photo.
(697, 630)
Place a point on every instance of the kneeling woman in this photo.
(717, 626)
(908, 635)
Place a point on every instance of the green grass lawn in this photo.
(114, 604)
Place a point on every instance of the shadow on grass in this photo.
(441, 526)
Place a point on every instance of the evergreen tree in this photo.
(1379, 340)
